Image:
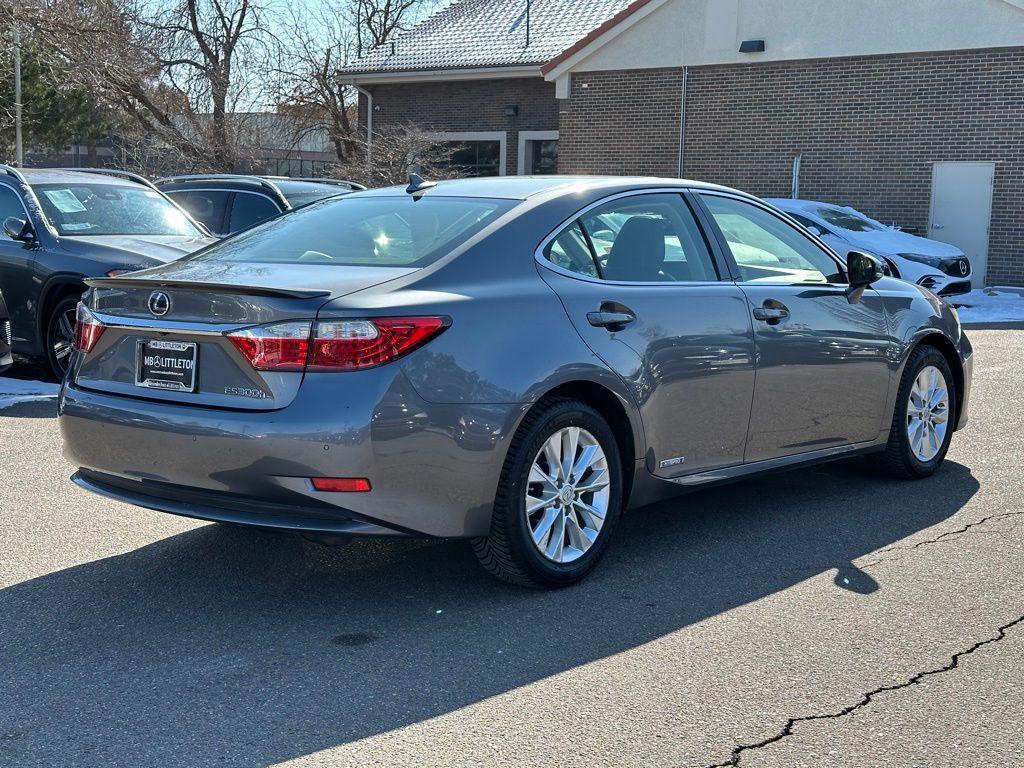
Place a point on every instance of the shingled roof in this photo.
(492, 33)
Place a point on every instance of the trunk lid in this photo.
(188, 309)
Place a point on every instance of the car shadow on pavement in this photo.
(230, 646)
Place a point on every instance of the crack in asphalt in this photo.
(943, 536)
(866, 698)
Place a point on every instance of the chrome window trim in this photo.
(541, 259)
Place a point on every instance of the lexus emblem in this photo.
(159, 303)
(963, 268)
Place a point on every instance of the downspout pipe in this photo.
(369, 122)
(682, 126)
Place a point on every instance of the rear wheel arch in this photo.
(612, 409)
(55, 291)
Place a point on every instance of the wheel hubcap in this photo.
(567, 495)
(928, 413)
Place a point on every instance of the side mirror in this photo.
(19, 229)
(815, 231)
(863, 269)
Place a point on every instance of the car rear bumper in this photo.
(230, 508)
(433, 468)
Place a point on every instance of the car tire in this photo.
(519, 548)
(60, 335)
(924, 419)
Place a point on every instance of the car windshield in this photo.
(848, 220)
(107, 209)
(364, 231)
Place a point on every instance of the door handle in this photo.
(772, 312)
(613, 321)
(938, 226)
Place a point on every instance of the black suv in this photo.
(227, 203)
(61, 226)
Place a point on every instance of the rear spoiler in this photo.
(189, 285)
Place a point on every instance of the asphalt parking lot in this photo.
(825, 617)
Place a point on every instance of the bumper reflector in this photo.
(341, 484)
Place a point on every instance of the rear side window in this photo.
(364, 231)
(570, 251)
(248, 209)
(638, 239)
(206, 206)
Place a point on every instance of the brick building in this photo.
(912, 112)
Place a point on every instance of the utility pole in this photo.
(19, 150)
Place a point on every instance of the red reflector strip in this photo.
(341, 484)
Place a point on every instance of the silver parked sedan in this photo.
(515, 361)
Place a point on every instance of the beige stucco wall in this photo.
(695, 32)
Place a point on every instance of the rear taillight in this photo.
(349, 345)
(88, 329)
(277, 347)
(334, 345)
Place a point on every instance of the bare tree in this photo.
(187, 71)
(380, 20)
(315, 42)
(396, 151)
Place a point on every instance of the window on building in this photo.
(474, 158)
(542, 157)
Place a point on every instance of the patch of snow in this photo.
(14, 391)
(989, 305)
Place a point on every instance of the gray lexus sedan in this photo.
(514, 361)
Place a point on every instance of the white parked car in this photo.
(940, 267)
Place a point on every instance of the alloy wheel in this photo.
(567, 495)
(928, 413)
(63, 339)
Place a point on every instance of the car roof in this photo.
(289, 186)
(65, 176)
(525, 187)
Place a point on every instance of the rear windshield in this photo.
(363, 231)
(107, 209)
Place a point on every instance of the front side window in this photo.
(363, 231)
(767, 249)
(10, 204)
(107, 209)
